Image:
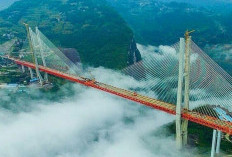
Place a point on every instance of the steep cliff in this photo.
(133, 53)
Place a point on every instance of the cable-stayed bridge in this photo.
(180, 80)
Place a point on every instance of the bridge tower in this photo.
(41, 52)
(184, 77)
(31, 73)
(187, 83)
(33, 54)
(23, 69)
(179, 138)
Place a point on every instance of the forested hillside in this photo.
(158, 22)
(92, 27)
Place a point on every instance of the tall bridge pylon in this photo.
(179, 135)
(184, 76)
(42, 51)
(183, 92)
(34, 58)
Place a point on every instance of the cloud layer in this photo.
(88, 123)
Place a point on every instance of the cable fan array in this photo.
(210, 85)
(160, 72)
(50, 56)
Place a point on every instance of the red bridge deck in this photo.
(153, 103)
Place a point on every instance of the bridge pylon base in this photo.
(185, 132)
(216, 142)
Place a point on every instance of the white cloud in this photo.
(157, 53)
(88, 124)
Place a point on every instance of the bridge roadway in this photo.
(205, 120)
